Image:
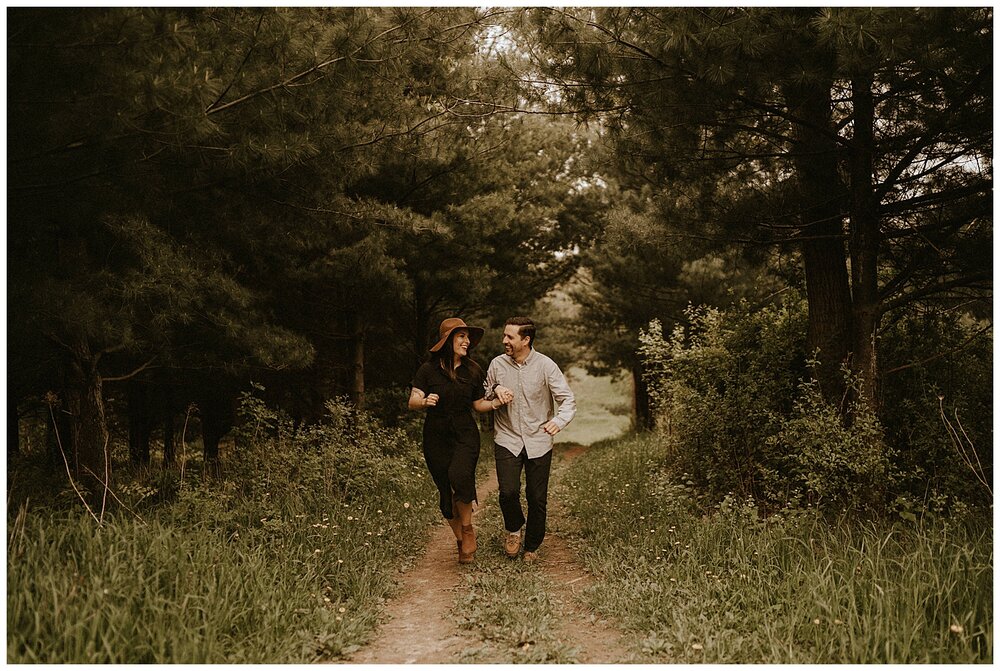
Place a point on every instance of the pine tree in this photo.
(862, 136)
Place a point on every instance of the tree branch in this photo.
(129, 376)
(213, 109)
(931, 289)
(960, 347)
(927, 139)
(754, 104)
(934, 197)
(241, 66)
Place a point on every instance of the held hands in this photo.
(431, 400)
(504, 395)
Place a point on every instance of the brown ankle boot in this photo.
(456, 526)
(467, 546)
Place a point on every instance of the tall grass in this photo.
(262, 570)
(731, 587)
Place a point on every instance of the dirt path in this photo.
(421, 629)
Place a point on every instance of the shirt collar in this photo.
(531, 354)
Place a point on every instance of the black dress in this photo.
(451, 435)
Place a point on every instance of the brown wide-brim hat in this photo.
(452, 323)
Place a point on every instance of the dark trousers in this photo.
(536, 491)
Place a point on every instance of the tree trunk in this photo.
(169, 448)
(829, 300)
(89, 429)
(640, 400)
(358, 385)
(865, 241)
(217, 414)
(824, 258)
(55, 432)
(139, 423)
(420, 327)
(13, 427)
(165, 411)
(211, 433)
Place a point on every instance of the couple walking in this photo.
(519, 386)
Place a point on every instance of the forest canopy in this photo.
(777, 222)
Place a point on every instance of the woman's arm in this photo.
(418, 401)
(482, 405)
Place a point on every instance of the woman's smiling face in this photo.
(460, 342)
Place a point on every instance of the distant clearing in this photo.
(603, 407)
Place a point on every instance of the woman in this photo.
(446, 387)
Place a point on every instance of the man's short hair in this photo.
(526, 328)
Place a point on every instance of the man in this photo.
(525, 382)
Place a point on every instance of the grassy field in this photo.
(730, 587)
(294, 588)
(273, 565)
(279, 566)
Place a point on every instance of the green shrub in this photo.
(837, 463)
(916, 400)
(732, 391)
(347, 453)
(721, 388)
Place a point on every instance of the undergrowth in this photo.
(288, 559)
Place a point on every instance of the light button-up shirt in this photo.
(539, 387)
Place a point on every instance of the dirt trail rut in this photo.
(420, 627)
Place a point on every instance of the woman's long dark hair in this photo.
(445, 358)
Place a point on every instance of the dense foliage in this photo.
(221, 218)
(868, 151)
(206, 197)
(736, 395)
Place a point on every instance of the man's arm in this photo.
(563, 396)
(482, 405)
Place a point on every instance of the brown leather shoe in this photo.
(530, 557)
(512, 544)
